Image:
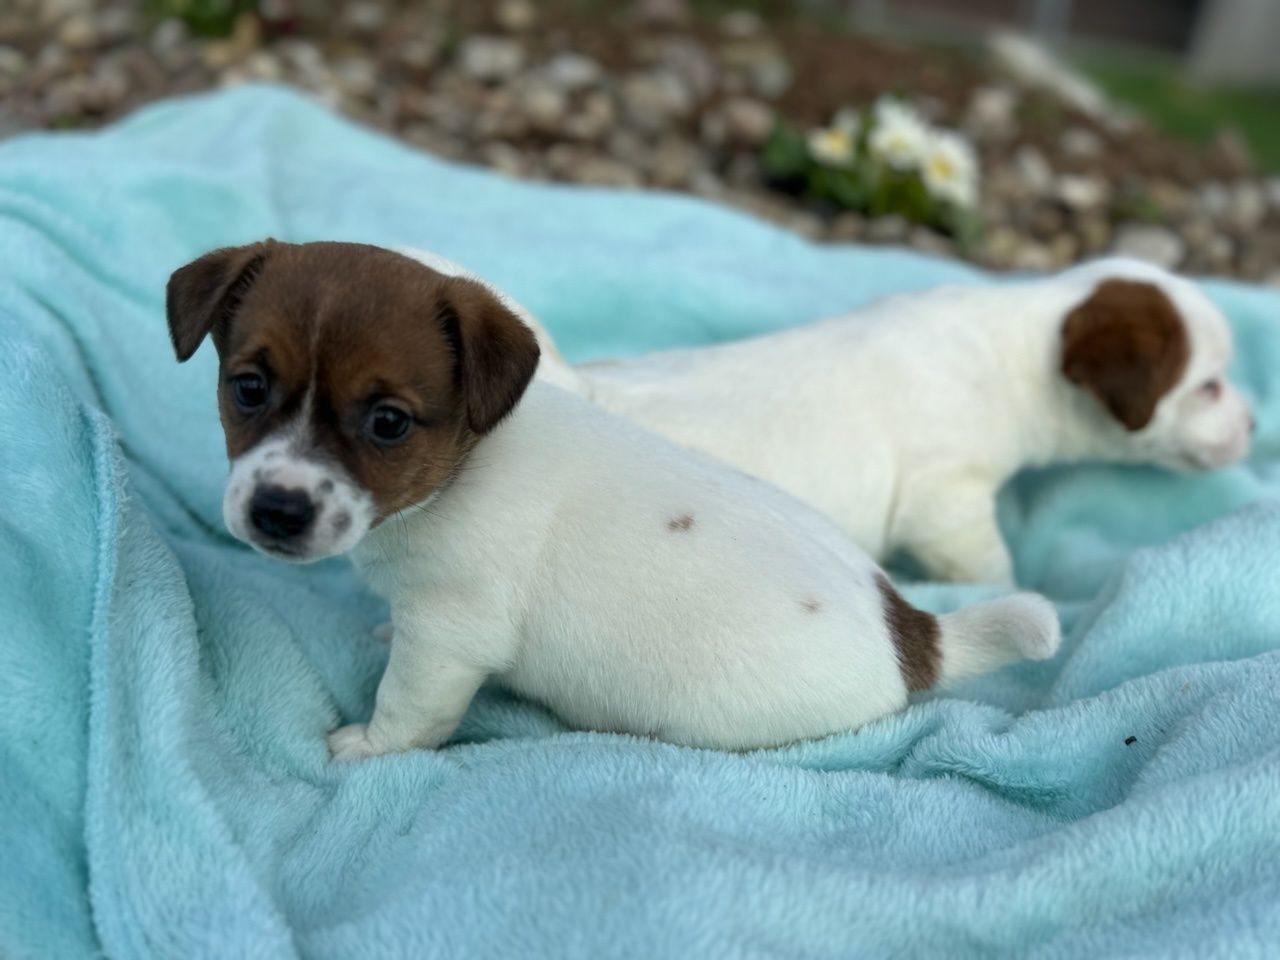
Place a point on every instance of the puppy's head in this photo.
(353, 382)
(1154, 352)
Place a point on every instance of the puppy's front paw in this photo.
(352, 743)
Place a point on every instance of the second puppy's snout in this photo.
(280, 513)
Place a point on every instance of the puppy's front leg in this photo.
(961, 540)
(421, 699)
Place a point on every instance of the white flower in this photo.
(950, 169)
(831, 146)
(899, 135)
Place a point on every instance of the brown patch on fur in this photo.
(355, 326)
(810, 606)
(915, 636)
(683, 522)
(1127, 345)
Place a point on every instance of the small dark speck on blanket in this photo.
(1130, 741)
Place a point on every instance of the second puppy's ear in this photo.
(495, 354)
(1127, 345)
(209, 290)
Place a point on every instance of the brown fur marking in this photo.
(1127, 345)
(915, 637)
(683, 522)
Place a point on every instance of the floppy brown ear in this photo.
(1127, 345)
(496, 354)
(209, 290)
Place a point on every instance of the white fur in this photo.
(630, 585)
(902, 420)
(287, 459)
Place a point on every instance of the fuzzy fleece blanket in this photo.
(164, 692)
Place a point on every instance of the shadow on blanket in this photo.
(163, 772)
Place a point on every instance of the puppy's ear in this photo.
(1127, 345)
(209, 290)
(495, 354)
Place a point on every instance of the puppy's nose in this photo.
(281, 514)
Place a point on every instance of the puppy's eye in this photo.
(388, 424)
(249, 391)
(1210, 389)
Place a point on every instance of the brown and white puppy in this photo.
(353, 383)
(585, 563)
(902, 420)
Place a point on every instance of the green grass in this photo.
(1182, 108)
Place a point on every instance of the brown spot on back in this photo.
(682, 522)
(810, 606)
(1127, 345)
(915, 637)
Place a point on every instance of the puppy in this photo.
(902, 420)
(375, 405)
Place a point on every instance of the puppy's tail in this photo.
(1023, 626)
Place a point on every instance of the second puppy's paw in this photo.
(352, 743)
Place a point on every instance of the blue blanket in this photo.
(164, 692)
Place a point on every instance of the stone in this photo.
(572, 72)
(516, 16)
(544, 106)
(1033, 170)
(1150, 242)
(889, 229)
(999, 247)
(662, 13)
(78, 32)
(603, 172)
(169, 40)
(12, 62)
(357, 76)
(490, 59)
(106, 89)
(689, 60)
(504, 158)
(1032, 256)
(673, 163)
(930, 242)
(741, 23)
(992, 113)
(1064, 249)
(1095, 233)
(1081, 143)
(364, 16)
(592, 119)
(419, 53)
(847, 226)
(747, 121)
(1214, 198)
(1080, 192)
(1248, 204)
(115, 25)
(652, 100)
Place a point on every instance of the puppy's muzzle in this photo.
(281, 514)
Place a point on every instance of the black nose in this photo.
(281, 514)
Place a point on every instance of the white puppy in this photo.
(902, 420)
(629, 585)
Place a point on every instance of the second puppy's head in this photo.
(1153, 351)
(353, 382)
